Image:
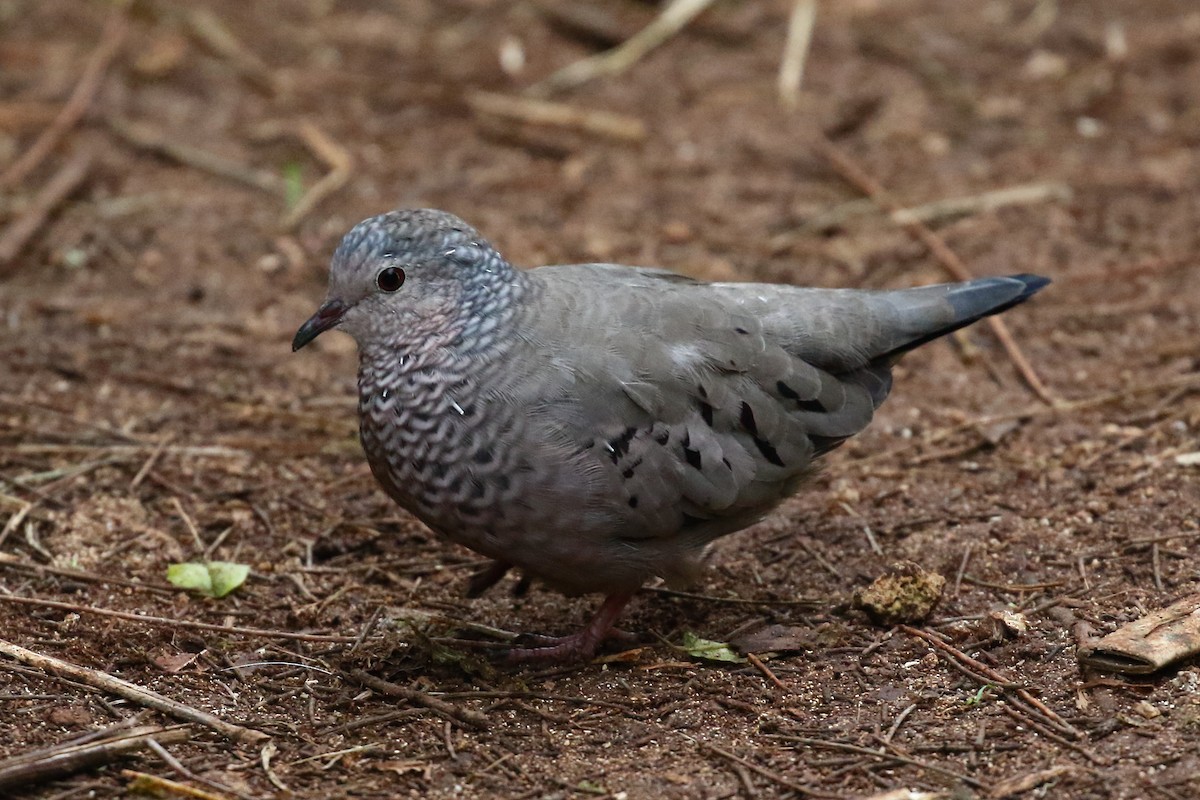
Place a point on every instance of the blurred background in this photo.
(175, 175)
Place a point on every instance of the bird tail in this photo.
(930, 312)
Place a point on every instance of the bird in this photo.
(598, 426)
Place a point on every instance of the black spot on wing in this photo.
(768, 451)
(693, 457)
(804, 405)
(747, 419)
(706, 413)
(619, 446)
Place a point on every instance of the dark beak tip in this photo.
(327, 316)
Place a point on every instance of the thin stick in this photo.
(175, 764)
(111, 38)
(205, 451)
(996, 678)
(145, 783)
(67, 758)
(206, 26)
(765, 670)
(887, 756)
(899, 721)
(463, 715)
(605, 124)
(962, 569)
(795, 51)
(334, 156)
(104, 682)
(766, 773)
(856, 176)
(179, 623)
(57, 189)
(143, 137)
(673, 19)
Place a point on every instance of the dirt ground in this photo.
(151, 411)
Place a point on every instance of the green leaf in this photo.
(709, 650)
(293, 183)
(213, 578)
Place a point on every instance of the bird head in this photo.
(404, 278)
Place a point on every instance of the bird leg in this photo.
(489, 576)
(578, 646)
(486, 578)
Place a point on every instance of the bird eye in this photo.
(390, 279)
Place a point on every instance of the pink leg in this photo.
(579, 646)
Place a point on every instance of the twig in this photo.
(795, 51)
(146, 138)
(111, 38)
(982, 202)
(856, 176)
(766, 773)
(145, 783)
(899, 721)
(205, 451)
(883, 754)
(64, 183)
(611, 62)
(765, 670)
(132, 692)
(70, 757)
(997, 679)
(606, 124)
(212, 32)
(962, 569)
(41, 570)
(191, 526)
(463, 715)
(175, 764)
(739, 601)
(179, 623)
(149, 463)
(366, 630)
(334, 156)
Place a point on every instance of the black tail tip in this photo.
(1033, 284)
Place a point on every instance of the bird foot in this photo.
(579, 646)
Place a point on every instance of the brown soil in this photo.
(147, 376)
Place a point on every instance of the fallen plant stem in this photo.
(104, 682)
(61, 186)
(116, 27)
(463, 715)
(67, 758)
(179, 623)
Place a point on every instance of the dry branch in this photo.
(146, 138)
(340, 165)
(795, 52)
(612, 62)
(463, 715)
(64, 183)
(111, 38)
(605, 124)
(179, 623)
(213, 33)
(857, 177)
(65, 759)
(104, 682)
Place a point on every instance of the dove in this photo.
(599, 426)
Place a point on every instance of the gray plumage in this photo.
(598, 425)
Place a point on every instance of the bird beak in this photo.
(328, 315)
